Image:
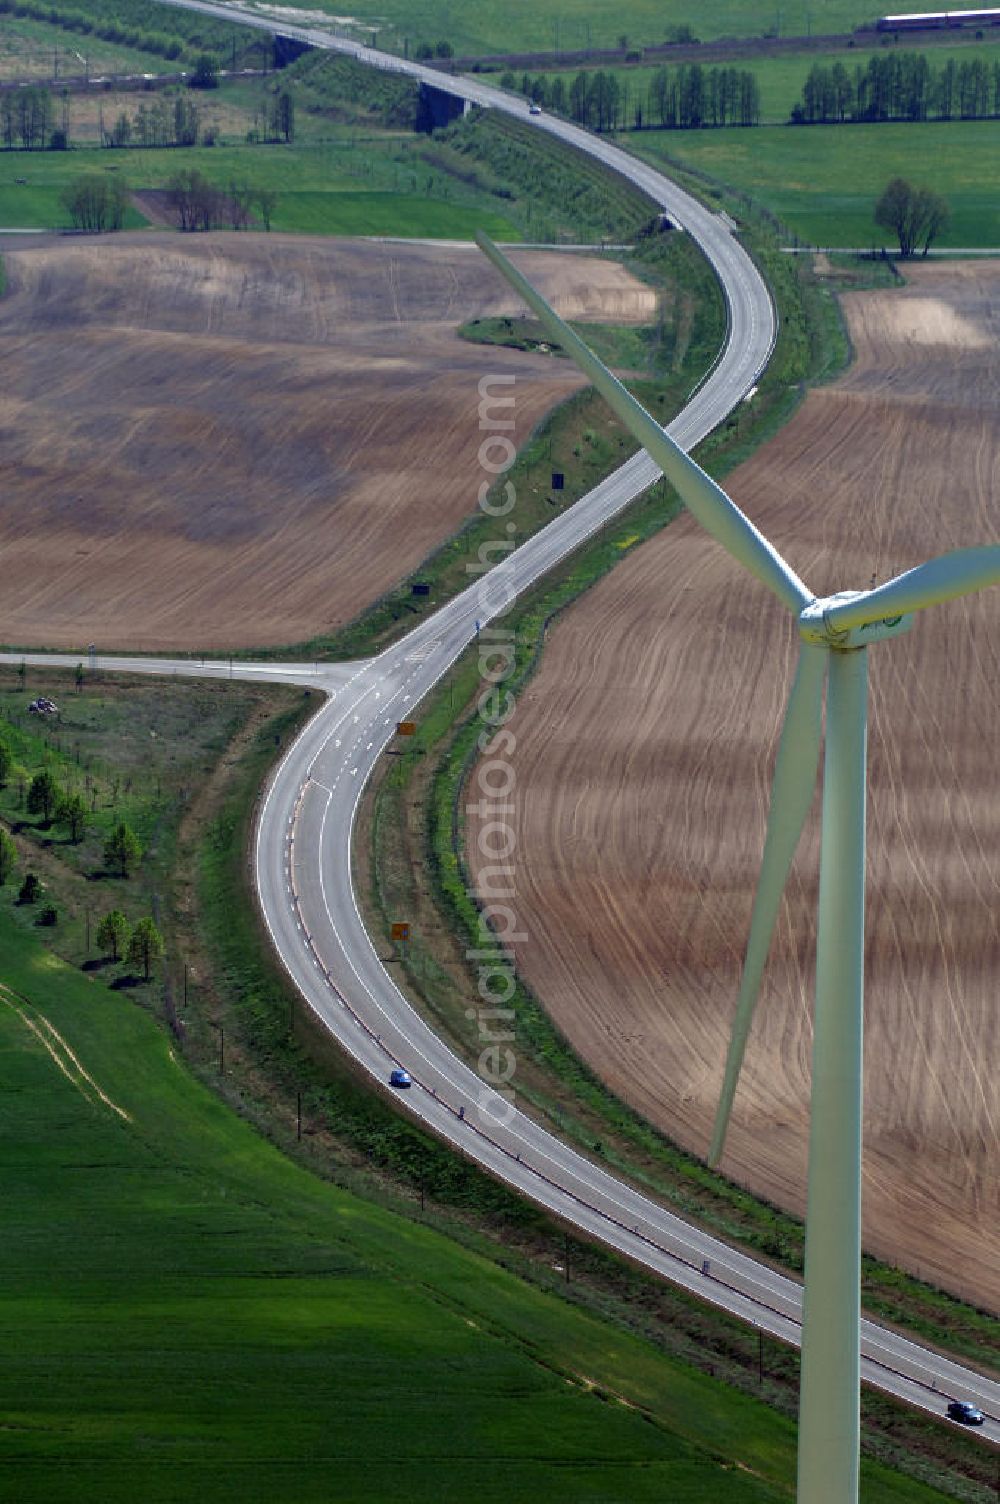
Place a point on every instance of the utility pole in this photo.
(298, 1116)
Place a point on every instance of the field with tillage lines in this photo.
(227, 440)
(645, 745)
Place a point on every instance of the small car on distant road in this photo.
(399, 1079)
(965, 1414)
(534, 108)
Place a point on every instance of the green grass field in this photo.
(822, 181)
(354, 212)
(188, 1315)
(479, 26)
(327, 189)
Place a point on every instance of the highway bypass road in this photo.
(302, 853)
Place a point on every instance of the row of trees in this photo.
(177, 122)
(686, 98)
(899, 86)
(682, 98)
(200, 205)
(274, 120)
(96, 203)
(165, 121)
(27, 116)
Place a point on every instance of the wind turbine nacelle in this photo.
(815, 627)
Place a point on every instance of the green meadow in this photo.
(480, 26)
(331, 188)
(189, 1315)
(822, 181)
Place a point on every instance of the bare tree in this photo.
(199, 205)
(266, 200)
(96, 203)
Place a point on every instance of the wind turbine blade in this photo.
(791, 796)
(943, 579)
(707, 501)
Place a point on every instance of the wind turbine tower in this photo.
(836, 633)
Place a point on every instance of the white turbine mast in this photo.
(835, 634)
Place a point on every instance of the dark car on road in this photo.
(400, 1079)
(965, 1414)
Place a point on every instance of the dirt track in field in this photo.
(643, 761)
(228, 440)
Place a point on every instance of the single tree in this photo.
(915, 215)
(8, 855)
(112, 934)
(44, 796)
(96, 204)
(267, 198)
(206, 73)
(71, 811)
(145, 946)
(933, 215)
(30, 889)
(122, 849)
(285, 116)
(240, 199)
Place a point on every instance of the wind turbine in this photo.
(836, 632)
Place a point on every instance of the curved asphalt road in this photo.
(303, 848)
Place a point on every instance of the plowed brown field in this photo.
(222, 441)
(643, 762)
